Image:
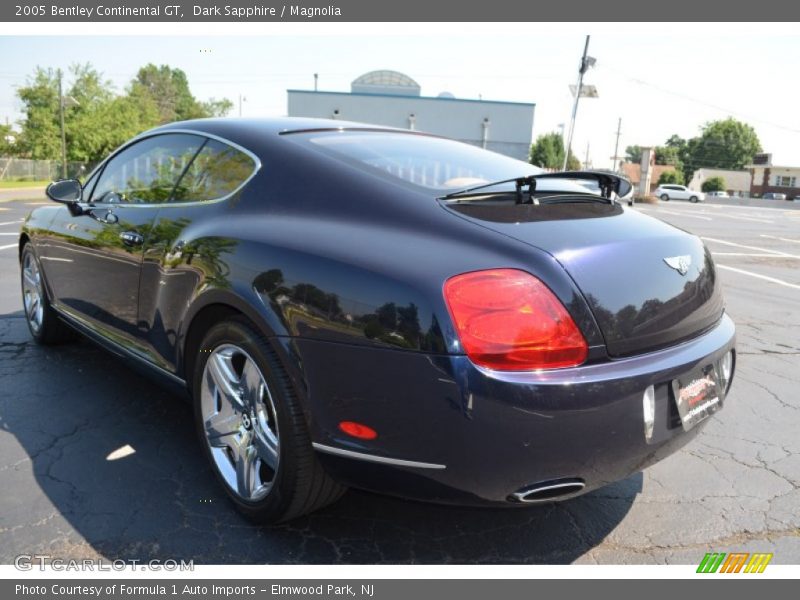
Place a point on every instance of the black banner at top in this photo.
(405, 11)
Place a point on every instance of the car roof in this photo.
(237, 128)
(259, 135)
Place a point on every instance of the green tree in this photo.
(40, 135)
(713, 184)
(217, 108)
(633, 154)
(671, 177)
(101, 120)
(725, 144)
(548, 152)
(675, 141)
(96, 118)
(668, 155)
(168, 89)
(7, 140)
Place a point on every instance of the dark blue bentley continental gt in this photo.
(358, 306)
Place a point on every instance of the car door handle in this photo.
(131, 238)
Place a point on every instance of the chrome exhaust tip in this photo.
(548, 491)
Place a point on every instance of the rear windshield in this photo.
(433, 163)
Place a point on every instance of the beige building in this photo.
(737, 183)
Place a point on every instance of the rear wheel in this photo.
(252, 427)
(43, 323)
(665, 198)
(693, 199)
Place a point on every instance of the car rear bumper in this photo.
(449, 431)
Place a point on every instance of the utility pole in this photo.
(616, 145)
(63, 133)
(241, 99)
(578, 88)
(316, 81)
(586, 162)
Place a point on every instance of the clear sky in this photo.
(659, 82)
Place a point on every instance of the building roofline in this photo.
(771, 167)
(403, 96)
(742, 170)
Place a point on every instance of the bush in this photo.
(671, 177)
(713, 184)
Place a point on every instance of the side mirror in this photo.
(66, 191)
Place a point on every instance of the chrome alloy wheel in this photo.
(240, 422)
(32, 292)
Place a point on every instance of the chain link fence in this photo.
(26, 169)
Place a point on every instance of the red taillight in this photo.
(358, 430)
(508, 320)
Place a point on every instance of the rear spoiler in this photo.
(608, 182)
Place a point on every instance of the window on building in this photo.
(784, 181)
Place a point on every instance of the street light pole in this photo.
(63, 133)
(578, 88)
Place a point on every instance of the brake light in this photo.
(508, 320)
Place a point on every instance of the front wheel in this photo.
(252, 427)
(45, 326)
(665, 198)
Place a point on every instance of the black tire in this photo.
(665, 197)
(693, 199)
(44, 324)
(299, 484)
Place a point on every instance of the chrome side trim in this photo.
(377, 459)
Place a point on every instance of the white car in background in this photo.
(673, 191)
(718, 195)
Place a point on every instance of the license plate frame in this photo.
(697, 395)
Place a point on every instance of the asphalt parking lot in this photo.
(96, 461)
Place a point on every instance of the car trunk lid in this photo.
(649, 284)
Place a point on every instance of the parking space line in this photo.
(774, 237)
(693, 215)
(727, 243)
(757, 220)
(682, 214)
(756, 254)
(759, 276)
(9, 246)
(11, 222)
(9, 232)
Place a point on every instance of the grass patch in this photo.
(4, 185)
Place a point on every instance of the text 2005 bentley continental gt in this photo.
(349, 305)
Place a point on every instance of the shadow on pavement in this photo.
(64, 410)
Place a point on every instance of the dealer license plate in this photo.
(697, 395)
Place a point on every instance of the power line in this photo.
(699, 101)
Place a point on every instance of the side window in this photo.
(89, 184)
(216, 171)
(147, 171)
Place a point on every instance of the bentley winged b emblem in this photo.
(680, 263)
